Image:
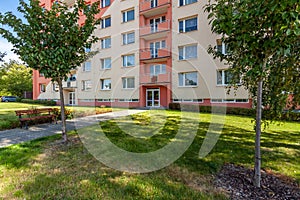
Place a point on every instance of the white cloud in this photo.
(5, 46)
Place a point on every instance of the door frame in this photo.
(71, 98)
(152, 100)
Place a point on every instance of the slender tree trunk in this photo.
(257, 167)
(62, 108)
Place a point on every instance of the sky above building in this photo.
(5, 46)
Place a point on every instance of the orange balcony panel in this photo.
(155, 79)
(152, 29)
(154, 54)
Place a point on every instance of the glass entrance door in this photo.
(71, 98)
(152, 98)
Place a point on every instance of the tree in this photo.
(263, 39)
(15, 78)
(52, 41)
(2, 56)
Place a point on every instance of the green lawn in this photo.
(8, 118)
(47, 169)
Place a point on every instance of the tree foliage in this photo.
(263, 39)
(15, 78)
(52, 41)
(2, 56)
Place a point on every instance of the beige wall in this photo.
(115, 52)
(204, 63)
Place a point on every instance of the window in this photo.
(105, 3)
(128, 83)
(105, 100)
(87, 66)
(222, 47)
(224, 77)
(42, 87)
(188, 79)
(106, 63)
(128, 100)
(106, 43)
(128, 15)
(187, 25)
(106, 22)
(154, 46)
(153, 3)
(229, 100)
(157, 69)
(55, 87)
(189, 100)
(128, 60)
(128, 38)
(87, 50)
(186, 2)
(105, 84)
(41, 74)
(187, 52)
(86, 85)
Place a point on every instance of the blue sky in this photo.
(5, 46)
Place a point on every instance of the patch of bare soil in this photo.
(237, 181)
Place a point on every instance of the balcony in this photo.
(154, 55)
(150, 8)
(155, 79)
(68, 2)
(155, 31)
(69, 84)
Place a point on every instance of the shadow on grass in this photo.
(21, 155)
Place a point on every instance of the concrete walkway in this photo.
(17, 135)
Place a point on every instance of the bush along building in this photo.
(150, 53)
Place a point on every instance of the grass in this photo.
(47, 169)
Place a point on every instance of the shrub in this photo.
(68, 113)
(43, 102)
(208, 109)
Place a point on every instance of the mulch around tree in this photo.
(237, 182)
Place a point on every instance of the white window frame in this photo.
(86, 85)
(229, 100)
(223, 78)
(185, 79)
(125, 60)
(125, 15)
(104, 3)
(125, 80)
(104, 66)
(186, 2)
(185, 55)
(222, 47)
(184, 30)
(102, 82)
(87, 67)
(104, 45)
(125, 37)
(42, 87)
(103, 22)
(162, 69)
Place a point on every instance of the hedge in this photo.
(43, 102)
(286, 116)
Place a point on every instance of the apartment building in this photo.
(151, 53)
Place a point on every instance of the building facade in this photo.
(151, 53)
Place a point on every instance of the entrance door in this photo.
(152, 98)
(71, 98)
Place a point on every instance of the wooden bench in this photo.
(35, 114)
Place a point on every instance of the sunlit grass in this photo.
(47, 169)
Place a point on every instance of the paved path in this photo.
(17, 135)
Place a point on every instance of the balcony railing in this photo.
(155, 79)
(69, 84)
(155, 28)
(146, 54)
(152, 4)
